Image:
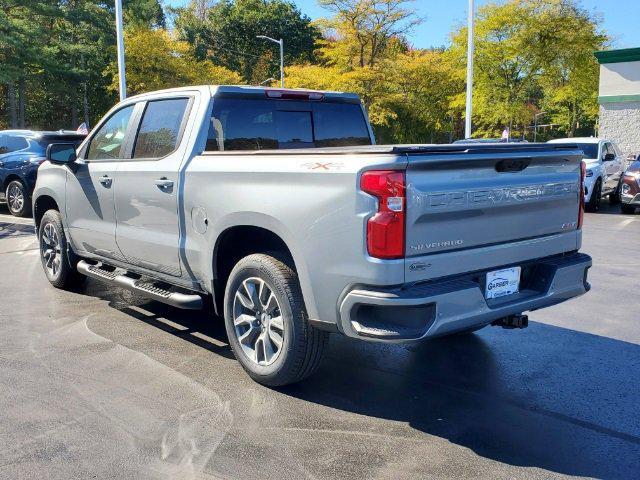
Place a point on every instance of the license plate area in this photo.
(502, 283)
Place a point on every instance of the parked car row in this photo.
(605, 174)
(21, 153)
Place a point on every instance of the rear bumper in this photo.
(445, 306)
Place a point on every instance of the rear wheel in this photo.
(18, 199)
(628, 209)
(593, 205)
(58, 261)
(267, 323)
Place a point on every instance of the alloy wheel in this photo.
(258, 322)
(50, 249)
(15, 198)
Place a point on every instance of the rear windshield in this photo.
(256, 124)
(45, 141)
(590, 149)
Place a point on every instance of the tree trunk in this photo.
(13, 107)
(74, 108)
(21, 94)
(85, 104)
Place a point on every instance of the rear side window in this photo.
(9, 143)
(159, 130)
(253, 124)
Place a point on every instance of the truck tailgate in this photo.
(483, 197)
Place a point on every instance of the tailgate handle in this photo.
(512, 165)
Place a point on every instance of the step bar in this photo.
(146, 288)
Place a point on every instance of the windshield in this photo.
(590, 149)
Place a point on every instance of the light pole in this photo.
(281, 43)
(535, 125)
(470, 46)
(122, 82)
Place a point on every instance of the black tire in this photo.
(65, 276)
(18, 199)
(628, 209)
(614, 198)
(302, 346)
(593, 205)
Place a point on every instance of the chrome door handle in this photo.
(106, 180)
(164, 182)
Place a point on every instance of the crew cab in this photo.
(277, 207)
(605, 164)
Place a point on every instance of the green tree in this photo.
(529, 55)
(225, 33)
(144, 13)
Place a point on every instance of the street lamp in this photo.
(535, 125)
(122, 82)
(470, 47)
(281, 43)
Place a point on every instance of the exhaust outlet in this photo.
(512, 321)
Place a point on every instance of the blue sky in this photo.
(621, 19)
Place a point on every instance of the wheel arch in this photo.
(240, 239)
(10, 178)
(42, 203)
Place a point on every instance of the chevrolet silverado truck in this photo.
(277, 209)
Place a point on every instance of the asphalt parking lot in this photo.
(100, 383)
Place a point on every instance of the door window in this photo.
(108, 140)
(159, 130)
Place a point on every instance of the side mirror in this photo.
(61, 153)
(609, 156)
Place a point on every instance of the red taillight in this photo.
(385, 230)
(583, 173)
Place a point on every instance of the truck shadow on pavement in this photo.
(556, 399)
(546, 397)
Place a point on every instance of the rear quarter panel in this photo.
(311, 201)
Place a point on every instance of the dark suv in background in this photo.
(21, 153)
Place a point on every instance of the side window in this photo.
(160, 128)
(16, 143)
(10, 144)
(241, 124)
(107, 142)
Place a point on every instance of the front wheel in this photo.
(18, 199)
(58, 261)
(267, 324)
(628, 209)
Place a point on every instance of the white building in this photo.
(619, 97)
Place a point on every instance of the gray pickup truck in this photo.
(277, 208)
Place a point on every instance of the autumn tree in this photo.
(529, 55)
(362, 31)
(155, 60)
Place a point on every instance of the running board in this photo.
(146, 288)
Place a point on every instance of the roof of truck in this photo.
(251, 90)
